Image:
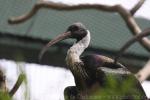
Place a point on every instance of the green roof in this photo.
(108, 30)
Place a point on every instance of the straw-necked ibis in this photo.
(90, 71)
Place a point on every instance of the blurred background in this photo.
(20, 44)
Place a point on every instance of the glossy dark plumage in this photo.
(94, 73)
(98, 67)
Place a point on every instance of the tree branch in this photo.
(138, 37)
(58, 6)
(144, 73)
(17, 85)
(126, 15)
(137, 6)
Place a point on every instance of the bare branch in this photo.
(144, 73)
(137, 7)
(17, 85)
(138, 37)
(126, 15)
(59, 6)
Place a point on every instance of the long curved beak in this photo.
(54, 41)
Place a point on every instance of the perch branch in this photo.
(17, 85)
(125, 14)
(138, 37)
(136, 7)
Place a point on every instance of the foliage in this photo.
(4, 96)
(118, 89)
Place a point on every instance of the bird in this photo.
(89, 71)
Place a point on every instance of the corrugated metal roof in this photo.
(108, 30)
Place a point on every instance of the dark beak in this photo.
(54, 41)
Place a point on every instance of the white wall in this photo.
(44, 82)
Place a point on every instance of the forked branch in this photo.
(125, 14)
(144, 73)
(134, 39)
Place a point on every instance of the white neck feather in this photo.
(73, 54)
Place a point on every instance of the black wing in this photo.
(101, 69)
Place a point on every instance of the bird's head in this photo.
(76, 31)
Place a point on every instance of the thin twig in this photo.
(17, 84)
(138, 37)
(136, 7)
